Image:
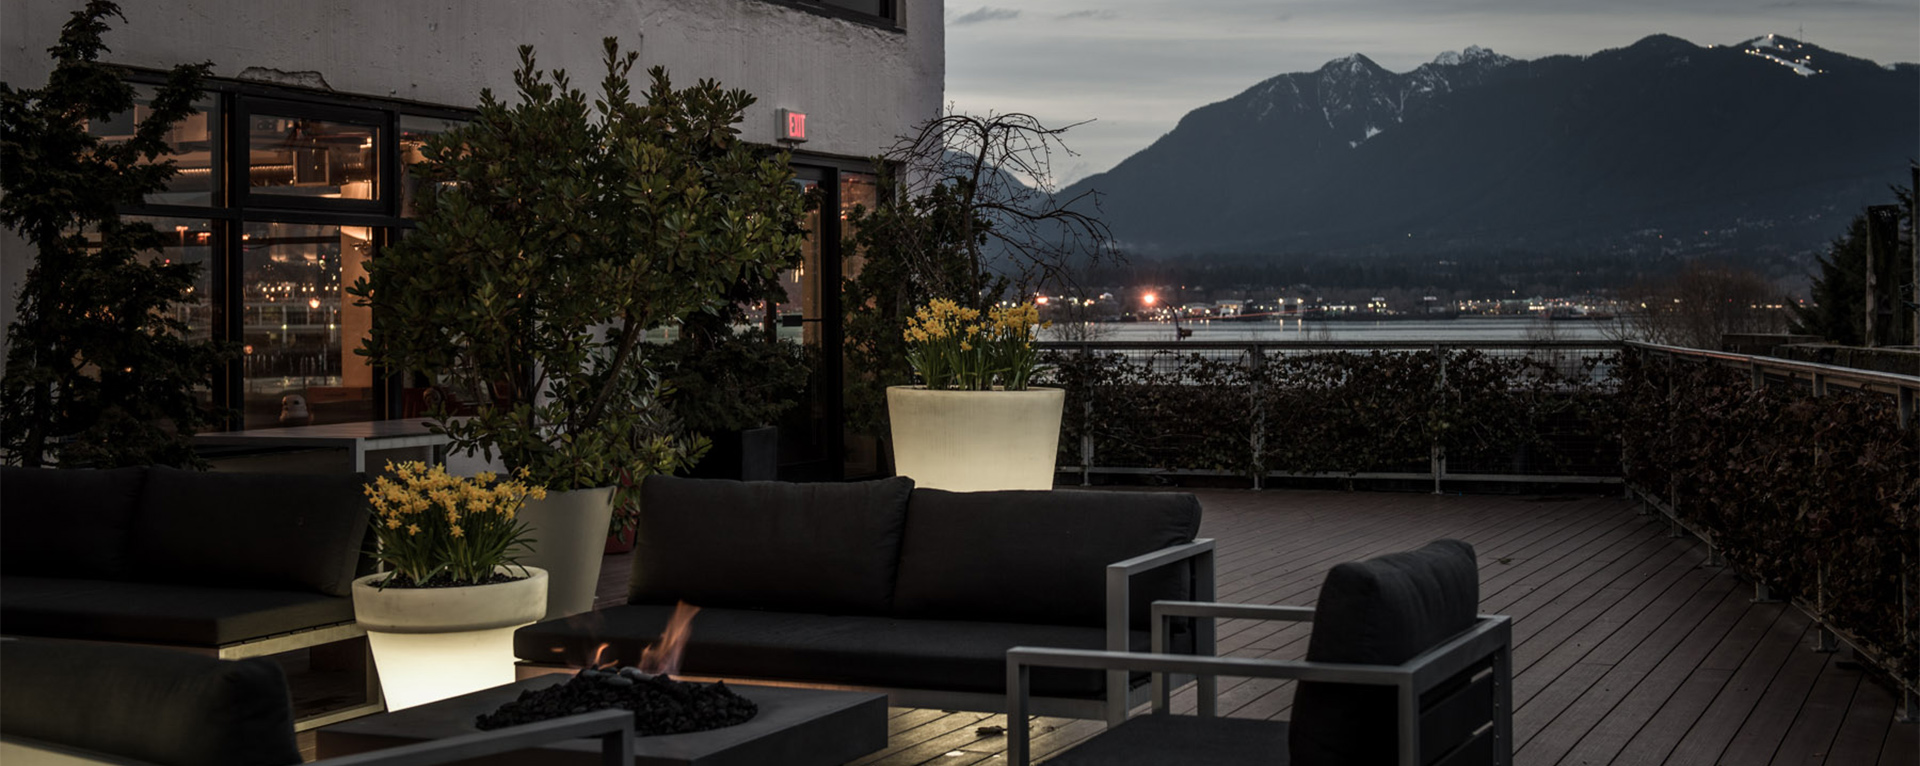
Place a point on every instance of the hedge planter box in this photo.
(569, 533)
(972, 441)
(433, 643)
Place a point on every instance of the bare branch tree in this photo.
(1703, 302)
(995, 171)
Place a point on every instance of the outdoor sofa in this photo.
(915, 592)
(231, 565)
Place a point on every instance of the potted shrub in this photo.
(975, 424)
(560, 229)
(440, 620)
(732, 387)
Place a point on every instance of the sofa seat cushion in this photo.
(829, 547)
(1037, 556)
(60, 522)
(945, 655)
(158, 613)
(153, 705)
(270, 531)
(1158, 739)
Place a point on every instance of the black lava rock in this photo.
(660, 704)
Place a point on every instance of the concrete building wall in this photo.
(859, 85)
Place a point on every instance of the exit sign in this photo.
(793, 126)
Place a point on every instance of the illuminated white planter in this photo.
(569, 530)
(970, 441)
(433, 643)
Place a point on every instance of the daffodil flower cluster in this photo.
(439, 529)
(950, 346)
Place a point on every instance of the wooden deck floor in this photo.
(1627, 649)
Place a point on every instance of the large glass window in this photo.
(188, 240)
(302, 157)
(299, 329)
(414, 132)
(195, 142)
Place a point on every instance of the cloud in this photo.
(1101, 15)
(986, 13)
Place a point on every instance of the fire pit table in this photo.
(800, 727)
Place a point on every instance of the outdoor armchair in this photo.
(1399, 670)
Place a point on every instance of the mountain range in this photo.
(1772, 143)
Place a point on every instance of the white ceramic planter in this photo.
(970, 441)
(433, 643)
(569, 530)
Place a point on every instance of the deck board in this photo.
(1628, 649)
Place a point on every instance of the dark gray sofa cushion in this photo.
(154, 705)
(1036, 556)
(1382, 611)
(240, 530)
(67, 522)
(824, 548)
(948, 655)
(160, 613)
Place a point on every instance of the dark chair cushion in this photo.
(160, 613)
(67, 522)
(1382, 611)
(252, 530)
(154, 705)
(946, 655)
(827, 548)
(1182, 740)
(1037, 556)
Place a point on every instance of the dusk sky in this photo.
(1137, 66)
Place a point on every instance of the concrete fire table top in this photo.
(801, 727)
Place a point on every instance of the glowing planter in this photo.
(970, 441)
(433, 643)
(569, 533)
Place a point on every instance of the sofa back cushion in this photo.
(825, 548)
(252, 530)
(151, 705)
(1382, 611)
(1037, 556)
(67, 522)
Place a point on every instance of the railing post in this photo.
(1086, 417)
(1437, 453)
(1257, 370)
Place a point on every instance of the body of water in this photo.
(1461, 329)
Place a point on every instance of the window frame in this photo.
(892, 20)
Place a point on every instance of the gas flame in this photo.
(663, 658)
(599, 652)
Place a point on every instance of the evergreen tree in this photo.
(1839, 297)
(97, 371)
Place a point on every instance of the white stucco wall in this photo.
(859, 86)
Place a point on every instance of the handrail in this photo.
(1847, 376)
(1323, 345)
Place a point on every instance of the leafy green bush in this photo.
(562, 228)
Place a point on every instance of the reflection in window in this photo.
(856, 190)
(195, 145)
(799, 313)
(293, 156)
(299, 329)
(414, 132)
(188, 240)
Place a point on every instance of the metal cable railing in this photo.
(1484, 411)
